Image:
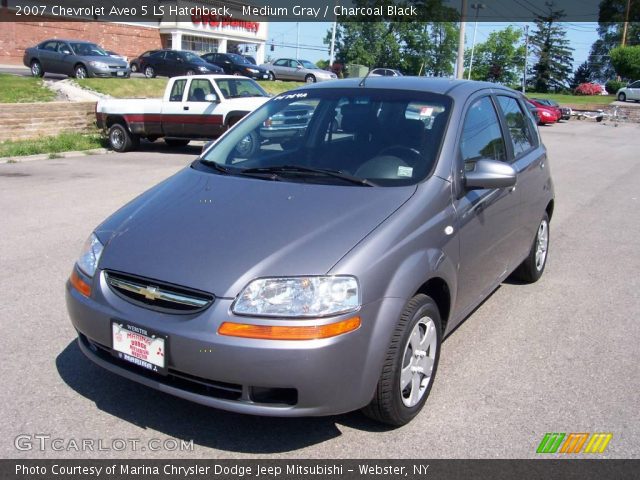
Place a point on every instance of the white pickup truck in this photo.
(199, 107)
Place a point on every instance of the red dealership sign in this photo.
(217, 21)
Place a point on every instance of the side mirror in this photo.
(210, 97)
(65, 52)
(490, 174)
(299, 67)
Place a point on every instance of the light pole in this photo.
(477, 7)
(463, 24)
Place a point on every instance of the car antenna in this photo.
(361, 84)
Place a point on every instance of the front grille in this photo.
(157, 295)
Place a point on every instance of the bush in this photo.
(588, 89)
(613, 86)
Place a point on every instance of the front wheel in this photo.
(191, 72)
(149, 72)
(272, 76)
(310, 79)
(532, 268)
(622, 97)
(410, 365)
(121, 140)
(134, 68)
(80, 71)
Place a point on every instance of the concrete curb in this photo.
(47, 156)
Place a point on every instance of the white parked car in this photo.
(630, 92)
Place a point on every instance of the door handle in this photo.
(186, 107)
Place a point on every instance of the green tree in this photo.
(610, 27)
(583, 74)
(626, 61)
(550, 46)
(500, 59)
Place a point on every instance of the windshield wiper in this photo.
(315, 171)
(216, 166)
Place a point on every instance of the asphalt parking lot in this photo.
(558, 356)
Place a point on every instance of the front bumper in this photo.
(112, 72)
(262, 377)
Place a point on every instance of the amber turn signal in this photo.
(79, 284)
(278, 332)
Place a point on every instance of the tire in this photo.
(248, 146)
(149, 72)
(272, 76)
(36, 69)
(190, 72)
(80, 71)
(310, 79)
(532, 268)
(134, 68)
(419, 326)
(237, 74)
(622, 97)
(121, 140)
(176, 142)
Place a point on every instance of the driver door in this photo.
(200, 119)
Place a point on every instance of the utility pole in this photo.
(460, 59)
(477, 7)
(626, 23)
(297, 39)
(333, 44)
(526, 55)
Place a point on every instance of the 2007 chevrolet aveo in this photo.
(317, 272)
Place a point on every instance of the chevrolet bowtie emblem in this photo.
(151, 293)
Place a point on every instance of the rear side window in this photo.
(518, 124)
(177, 90)
(481, 134)
(51, 46)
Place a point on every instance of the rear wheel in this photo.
(622, 97)
(121, 140)
(190, 72)
(410, 366)
(134, 68)
(176, 142)
(36, 69)
(532, 268)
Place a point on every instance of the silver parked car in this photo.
(322, 277)
(300, 70)
(630, 92)
(75, 58)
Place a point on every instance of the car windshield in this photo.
(308, 64)
(88, 49)
(339, 136)
(241, 87)
(235, 58)
(192, 57)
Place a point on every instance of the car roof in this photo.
(443, 86)
(211, 77)
(68, 40)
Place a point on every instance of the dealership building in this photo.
(199, 32)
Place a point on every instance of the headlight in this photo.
(90, 256)
(203, 68)
(100, 65)
(252, 70)
(298, 297)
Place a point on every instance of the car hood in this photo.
(216, 233)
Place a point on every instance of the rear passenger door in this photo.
(530, 161)
(488, 219)
(48, 55)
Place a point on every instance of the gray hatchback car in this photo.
(321, 276)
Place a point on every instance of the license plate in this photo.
(265, 76)
(140, 346)
(120, 74)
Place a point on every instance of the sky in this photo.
(311, 35)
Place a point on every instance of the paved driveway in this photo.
(558, 356)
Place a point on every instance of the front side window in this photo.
(518, 124)
(481, 134)
(635, 84)
(88, 50)
(199, 89)
(241, 87)
(382, 137)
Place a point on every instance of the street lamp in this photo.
(477, 7)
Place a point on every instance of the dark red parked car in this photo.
(553, 109)
(544, 114)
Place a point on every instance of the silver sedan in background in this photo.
(300, 70)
